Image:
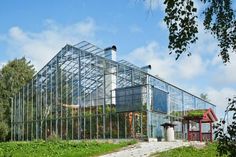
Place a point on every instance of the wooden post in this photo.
(188, 130)
(200, 130)
(211, 131)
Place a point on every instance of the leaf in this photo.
(194, 10)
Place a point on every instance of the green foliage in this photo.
(181, 22)
(3, 130)
(1, 152)
(12, 77)
(62, 148)
(208, 151)
(219, 19)
(54, 138)
(176, 113)
(225, 132)
(195, 113)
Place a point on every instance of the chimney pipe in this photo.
(110, 52)
(147, 68)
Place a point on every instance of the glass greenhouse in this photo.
(84, 93)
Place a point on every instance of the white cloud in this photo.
(164, 65)
(2, 64)
(85, 28)
(205, 53)
(206, 43)
(220, 97)
(189, 68)
(207, 46)
(40, 47)
(227, 71)
(150, 54)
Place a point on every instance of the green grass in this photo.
(195, 113)
(60, 148)
(208, 151)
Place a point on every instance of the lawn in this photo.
(207, 151)
(59, 148)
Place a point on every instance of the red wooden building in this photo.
(195, 119)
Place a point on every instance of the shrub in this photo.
(1, 152)
(53, 138)
(3, 130)
(225, 131)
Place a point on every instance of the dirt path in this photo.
(144, 149)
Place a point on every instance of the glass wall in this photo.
(74, 97)
(81, 94)
(178, 102)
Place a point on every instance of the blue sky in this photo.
(39, 29)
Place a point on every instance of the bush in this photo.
(1, 152)
(3, 131)
(225, 131)
(53, 138)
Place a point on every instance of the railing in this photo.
(194, 136)
(206, 136)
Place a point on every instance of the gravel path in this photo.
(144, 149)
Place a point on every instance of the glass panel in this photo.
(159, 100)
(130, 98)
